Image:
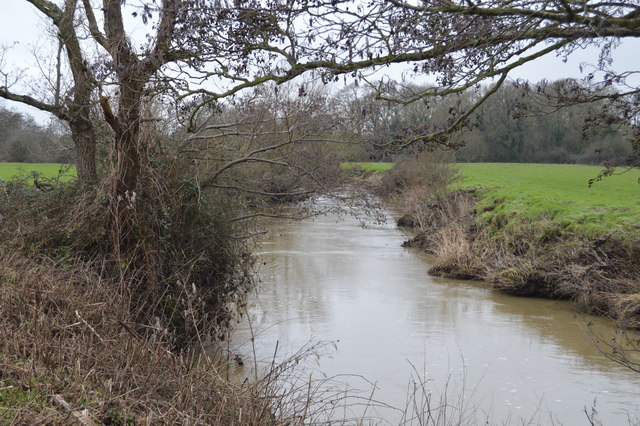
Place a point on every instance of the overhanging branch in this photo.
(58, 111)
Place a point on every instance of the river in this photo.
(393, 329)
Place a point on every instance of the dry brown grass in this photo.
(433, 171)
(454, 255)
(628, 307)
(69, 336)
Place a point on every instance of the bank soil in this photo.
(541, 258)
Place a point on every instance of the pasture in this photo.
(558, 193)
(47, 170)
(549, 192)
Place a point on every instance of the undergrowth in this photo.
(91, 337)
(72, 352)
(187, 268)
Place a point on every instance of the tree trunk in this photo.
(132, 75)
(82, 130)
(127, 149)
(84, 140)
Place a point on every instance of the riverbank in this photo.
(71, 352)
(532, 230)
(598, 274)
(91, 336)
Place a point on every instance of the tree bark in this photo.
(126, 126)
(77, 110)
(127, 143)
(84, 139)
(133, 74)
(83, 133)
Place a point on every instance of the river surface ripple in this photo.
(503, 359)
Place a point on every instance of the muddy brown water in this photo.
(501, 359)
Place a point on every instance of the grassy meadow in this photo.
(561, 193)
(550, 192)
(530, 192)
(47, 170)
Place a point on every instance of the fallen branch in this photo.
(89, 325)
(80, 417)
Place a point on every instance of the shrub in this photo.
(187, 263)
(431, 172)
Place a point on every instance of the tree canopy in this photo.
(196, 53)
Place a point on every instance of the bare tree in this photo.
(75, 108)
(460, 43)
(273, 144)
(205, 51)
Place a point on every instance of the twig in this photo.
(88, 325)
(81, 418)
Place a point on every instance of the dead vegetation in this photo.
(70, 336)
(90, 335)
(600, 275)
(454, 255)
(72, 353)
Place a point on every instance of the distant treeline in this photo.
(517, 124)
(23, 140)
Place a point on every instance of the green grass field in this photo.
(561, 193)
(48, 170)
(552, 192)
(532, 192)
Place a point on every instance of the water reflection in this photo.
(330, 280)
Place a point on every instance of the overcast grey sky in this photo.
(20, 22)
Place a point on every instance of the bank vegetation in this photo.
(93, 335)
(529, 230)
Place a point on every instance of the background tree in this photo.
(24, 140)
(270, 144)
(74, 106)
(527, 124)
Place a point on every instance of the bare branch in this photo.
(56, 110)
(93, 24)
